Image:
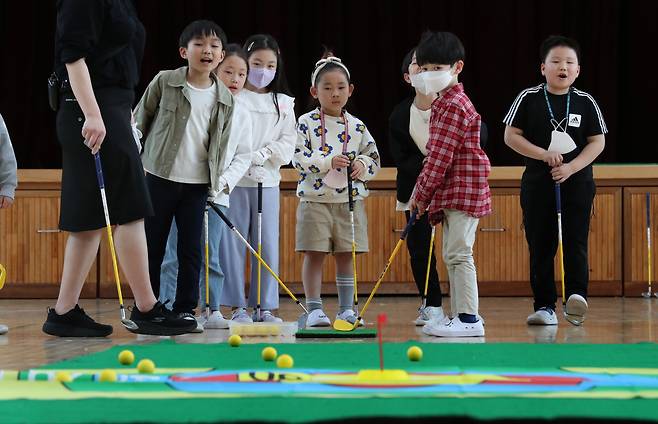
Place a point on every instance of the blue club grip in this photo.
(648, 208)
(412, 221)
(221, 215)
(99, 170)
(558, 198)
(350, 195)
(260, 197)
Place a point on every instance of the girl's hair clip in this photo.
(250, 46)
(324, 62)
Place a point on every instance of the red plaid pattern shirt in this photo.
(455, 172)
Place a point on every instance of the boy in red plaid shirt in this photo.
(452, 188)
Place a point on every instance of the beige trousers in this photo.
(459, 231)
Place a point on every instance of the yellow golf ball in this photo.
(285, 361)
(108, 376)
(126, 357)
(269, 353)
(63, 376)
(235, 340)
(146, 366)
(414, 353)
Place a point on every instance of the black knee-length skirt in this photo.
(125, 187)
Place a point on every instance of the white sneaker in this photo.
(190, 317)
(542, 316)
(349, 316)
(428, 314)
(240, 315)
(3, 329)
(455, 328)
(268, 316)
(576, 309)
(317, 318)
(216, 321)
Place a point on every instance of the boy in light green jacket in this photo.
(185, 117)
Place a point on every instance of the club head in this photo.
(646, 295)
(301, 321)
(342, 325)
(576, 320)
(130, 325)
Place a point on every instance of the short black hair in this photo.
(558, 41)
(442, 48)
(201, 28)
(406, 62)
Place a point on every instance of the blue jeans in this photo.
(169, 273)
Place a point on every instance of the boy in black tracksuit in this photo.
(538, 116)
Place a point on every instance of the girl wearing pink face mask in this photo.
(267, 98)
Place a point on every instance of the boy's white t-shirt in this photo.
(191, 163)
(419, 127)
(419, 130)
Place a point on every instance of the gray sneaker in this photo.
(542, 316)
(240, 315)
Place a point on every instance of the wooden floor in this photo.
(611, 320)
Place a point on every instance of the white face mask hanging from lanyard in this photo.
(561, 141)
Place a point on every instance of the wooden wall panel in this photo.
(635, 239)
(605, 237)
(500, 251)
(32, 247)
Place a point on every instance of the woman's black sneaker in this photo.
(160, 321)
(74, 323)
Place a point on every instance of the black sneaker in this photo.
(74, 323)
(190, 317)
(160, 321)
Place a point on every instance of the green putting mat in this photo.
(489, 361)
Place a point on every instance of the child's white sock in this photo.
(345, 288)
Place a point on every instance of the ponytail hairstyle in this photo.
(328, 62)
(279, 84)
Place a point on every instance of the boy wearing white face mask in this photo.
(559, 130)
(452, 187)
(408, 137)
(330, 143)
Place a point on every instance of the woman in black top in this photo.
(408, 136)
(98, 49)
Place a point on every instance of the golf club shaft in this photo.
(558, 204)
(207, 264)
(388, 265)
(256, 255)
(101, 185)
(260, 246)
(350, 198)
(648, 209)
